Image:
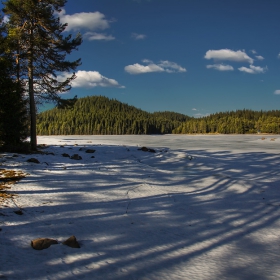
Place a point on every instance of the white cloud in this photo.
(87, 21)
(90, 79)
(162, 66)
(277, 91)
(220, 67)
(91, 36)
(259, 57)
(278, 55)
(5, 19)
(91, 21)
(137, 36)
(141, 69)
(194, 109)
(230, 55)
(253, 69)
(254, 51)
(171, 67)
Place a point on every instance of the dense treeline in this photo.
(101, 115)
(236, 122)
(104, 116)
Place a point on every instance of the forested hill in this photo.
(238, 122)
(101, 115)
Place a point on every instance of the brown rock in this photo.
(42, 243)
(71, 242)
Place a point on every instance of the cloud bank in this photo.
(229, 55)
(90, 79)
(236, 56)
(277, 91)
(162, 66)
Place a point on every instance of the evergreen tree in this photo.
(36, 41)
(13, 114)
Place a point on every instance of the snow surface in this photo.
(191, 210)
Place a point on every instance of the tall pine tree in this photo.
(13, 113)
(39, 48)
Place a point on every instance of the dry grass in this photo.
(8, 178)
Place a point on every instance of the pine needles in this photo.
(8, 178)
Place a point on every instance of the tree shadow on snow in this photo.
(160, 216)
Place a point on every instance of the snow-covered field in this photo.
(201, 207)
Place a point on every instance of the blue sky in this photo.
(195, 57)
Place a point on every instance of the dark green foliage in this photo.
(13, 114)
(35, 40)
(66, 103)
(101, 115)
(234, 122)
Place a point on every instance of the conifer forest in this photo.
(98, 115)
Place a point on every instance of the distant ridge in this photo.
(233, 122)
(99, 115)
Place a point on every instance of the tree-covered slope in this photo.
(101, 115)
(239, 122)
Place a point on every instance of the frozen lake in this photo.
(200, 208)
(235, 143)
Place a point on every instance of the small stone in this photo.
(90, 151)
(18, 212)
(72, 242)
(65, 155)
(76, 157)
(145, 149)
(42, 243)
(34, 160)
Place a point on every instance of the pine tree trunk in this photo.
(33, 133)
